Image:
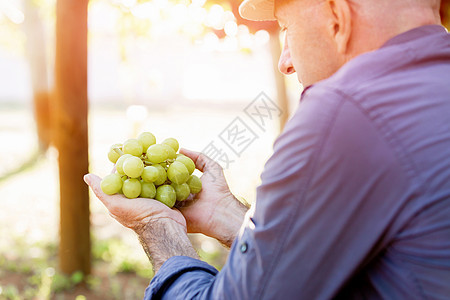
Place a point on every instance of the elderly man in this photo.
(355, 201)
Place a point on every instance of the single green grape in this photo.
(133, 167)
(195, 184)
(157, 153)
(111, 184)
(172, 143)
(166, 194)
(120, 161)
(148, 190)
(182, 191)
(113, 156)
(189, 163)
(150, 174)
(131, 188)
(162, 175)
(177, 172)
(171, 154)
(133, 147)
(146, 139)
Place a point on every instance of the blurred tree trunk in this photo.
(445, 13)
(275, 50)
(283, 103)
(36, 53)
(71, 134)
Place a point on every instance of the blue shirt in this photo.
(355, 201)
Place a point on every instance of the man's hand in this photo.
(214, 211)
(161, 230)
(133, 213)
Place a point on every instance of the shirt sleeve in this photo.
(327, 205)
(192, 276)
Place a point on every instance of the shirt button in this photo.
(244, 247)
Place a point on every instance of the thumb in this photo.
(94, 183)
(202, 162)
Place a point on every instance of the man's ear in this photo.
(340, 25)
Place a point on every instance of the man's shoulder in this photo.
(401, 91)
(407, 74)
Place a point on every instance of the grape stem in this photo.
(118, 151)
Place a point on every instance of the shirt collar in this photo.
(304, 92)
(413, 34)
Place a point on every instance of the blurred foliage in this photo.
(156, 20)
(12, 37)
(12, 17)
(117, 255)
(136, 23)
(28, 270)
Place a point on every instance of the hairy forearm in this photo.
(163, 239)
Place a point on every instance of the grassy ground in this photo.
(29, 208)
(30, 271)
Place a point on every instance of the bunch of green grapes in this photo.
(150, 170)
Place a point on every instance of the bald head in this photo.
(376, 21)
(391, 7)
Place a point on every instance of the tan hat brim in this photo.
(257, 10)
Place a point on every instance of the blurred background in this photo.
(77, 77)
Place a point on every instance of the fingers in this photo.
(202, 162)
(94, 182)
